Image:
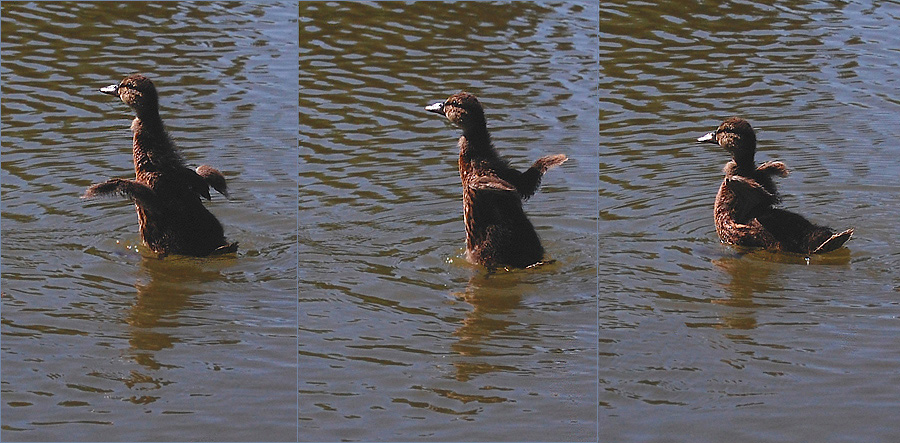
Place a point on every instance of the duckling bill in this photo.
(166, 194)
(745, 212)
(498, 233)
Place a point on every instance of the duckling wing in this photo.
(214, 178)
(495, 207)
(751, 198)
(200, 180)
(139, 193)
(773, 168)
(529, 181)
(186, 177)
(492, 199)
(490, 183)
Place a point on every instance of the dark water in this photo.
(400, 338)
(702, 343)
(101, 341)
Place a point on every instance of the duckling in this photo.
(744, 212)
(498, 233)
(166, 194)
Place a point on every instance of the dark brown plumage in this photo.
(166, 194)
(498, 233)
(744, 212)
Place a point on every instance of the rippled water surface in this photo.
(400, 338)
(100, 340)
(702, 342)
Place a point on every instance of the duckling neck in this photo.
(744, 162)
(476, 143)
(151, 147)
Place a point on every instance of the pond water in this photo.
(400, 338)
(102, 341)
(699, 341)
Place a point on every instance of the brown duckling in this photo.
(166, 193)
(497, 231)
(745, 214)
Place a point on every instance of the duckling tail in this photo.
(225, 249)
(797, 234)
(834, 242)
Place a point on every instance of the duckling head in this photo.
(463, 110)
(137, 92)
(736, 136)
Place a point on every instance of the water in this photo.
(698, 341)
(400, 338)
(102, 341)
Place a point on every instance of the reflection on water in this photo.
(493, 301)
(746, 277)
(99, 342)
(400, 338)
(159, 304)
(713, 342)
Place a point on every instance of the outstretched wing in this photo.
(199, 181)
(773, 168)
(529, 181)
(214, 178)
(139, 193)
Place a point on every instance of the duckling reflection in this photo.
(155, 312)
(745, 277)
(744, 212)
(493, 299)
(166, 194)
(167, 291)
